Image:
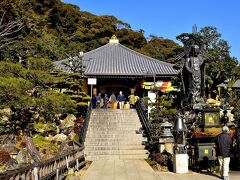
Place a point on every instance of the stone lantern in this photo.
(166, 140)
(166, 127)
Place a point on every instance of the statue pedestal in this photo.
(180, 163)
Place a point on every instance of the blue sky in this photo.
(169, 18)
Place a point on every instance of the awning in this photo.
(164, 86)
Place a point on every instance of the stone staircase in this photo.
(114, 134)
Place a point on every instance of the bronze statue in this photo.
(193, 73)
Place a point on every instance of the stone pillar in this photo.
(180, 163)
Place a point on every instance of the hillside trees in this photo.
(8, 30)
(161, 48)
(55, 30)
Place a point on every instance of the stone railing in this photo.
(85, 125)
(143, 118)
(54, 168)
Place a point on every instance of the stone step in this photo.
(115, 134)
(116, 131)
(113, 128)
(106, 114)
(113, 143)
(114, 120)
(115, 110)
(109, 116)
(132, 139)
(114, 123)
(111, 135)
(115, 157)
(115, 152)
(111, 147)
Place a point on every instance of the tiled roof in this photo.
(116, 59)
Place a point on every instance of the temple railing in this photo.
(144, 118)
(54, 168)
(84, 129)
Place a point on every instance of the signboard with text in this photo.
(92, 81)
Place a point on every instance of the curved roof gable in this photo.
(116, 59)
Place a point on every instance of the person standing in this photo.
(224, 142)
(131, 99)
(121, 100)
(112, 100)
(105, 101)
(98, 99)
(94, 102)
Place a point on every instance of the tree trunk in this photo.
(32, 149)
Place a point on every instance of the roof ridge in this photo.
(95, 50)
(150, 58)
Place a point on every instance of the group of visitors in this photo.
(104, 102)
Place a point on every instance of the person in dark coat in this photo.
(94, 101)
(224, 142)
(105, 101)
(98, 98)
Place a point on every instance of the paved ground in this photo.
(140, 170)
(195, 176)
(120, 170)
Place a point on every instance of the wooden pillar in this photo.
(85, 86)
(94, 91)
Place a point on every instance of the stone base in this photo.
(180, 163)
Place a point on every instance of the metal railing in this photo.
(84, 129)
(54, 168)
(143, 118)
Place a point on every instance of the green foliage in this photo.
(76, 138)
(161, 48)
(8, 69)
(42, 127)
(55, 103)
(31, 95)
(39, 78)
(86, 99)
(14, 92)
(69, 92)
(76, 98)
(81, 105)
(41, 143)
(42, 64)
(161, 109)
